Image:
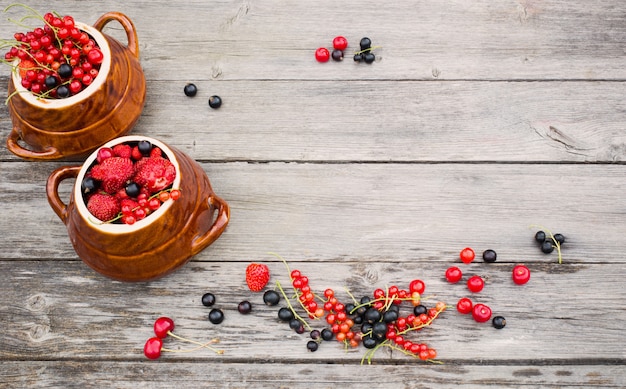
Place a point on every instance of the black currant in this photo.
(327, 334)
(315, 334)
(419, 309)
(294, 324)
(360, 311)
(358, 320)
(379, 330)
(547, 247)
(63, 91)
(244, 307)
(369, 57)
(271, 297)
(559, 238)
(369, 342)
(358, 57)
(337, 55)
(540, 236)
(190, 90)
(285, 314)
(489, 256)
(498, 322)
(51, 82)
(372, 315)
(215, 101)
(216, 316)
(208, 299)
(349, 308)
(365, 43)
(133, 189)
(312, 345)
(89, 185)
(365, 300)
(65, 71)
(144, 147)
(390, 316)
(366, 327)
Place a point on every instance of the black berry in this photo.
(144, 147)
(216, 316)
(327, 334)
(337, 55)
(419, 309)
(369, 57)
(285, 314)
(63, 91)
(190, 90)
(294, 324)
(369, 342)
(358, 57)
(540, 236)
(559, 238)
(365, 43)
(489, 256)
(547, 246)
(208, 299)
(315, 334)
(390, 316)
(50, 82)
(271, 297)
(215, 102)
(379, 330)
(65, 71)
(312, 345)
(244, 307)
(89, 185)
(498, 322)
(133, 189)
(372, 315)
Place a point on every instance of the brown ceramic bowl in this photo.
(154, 246)
(51, 129)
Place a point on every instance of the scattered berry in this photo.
(244, 307)
(547, 247)
(208, 299)
(337, 55)
(464, 305)
(340, 43)
(322, 54)
(498, 322)
(559, 238)
(481, 313)
(454, 274)
(540, 236)
(312, 345)
(216, 316)
(521, 274)
(152, 348)
(257, 276)
(489, 256)
(467, 255)
(475, 284)
(271, 297)
(285, 314)
(365, 43)
(215, 102)
(163, 326)
(190, 90)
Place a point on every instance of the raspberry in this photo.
(155, 173)
(113, 173)
(257, 276)
(103, 206)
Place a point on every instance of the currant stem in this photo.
(295, 314)
(556, 243)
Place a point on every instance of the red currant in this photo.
(521, 274)
(322, 54)
(417, 286)
(481, 313)
(464, 305)
(175, 194)
(475, 284)
(340, 43)
(454, 274)
(467, 255)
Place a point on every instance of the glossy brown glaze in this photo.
(159, 246)
(44, 132)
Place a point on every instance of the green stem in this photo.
(295, 314)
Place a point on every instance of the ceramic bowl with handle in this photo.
(152, 247)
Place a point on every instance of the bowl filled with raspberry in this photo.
(72, 87)
(139, 209)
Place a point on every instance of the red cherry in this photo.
(464, 305)
(417, 286)
(104, 153)
(152, 348)
(340, 43)
(481, 313)
(454, 274)
(521, 274)
(475, 284)
(467, 255)
(163, 326)
(322, 54)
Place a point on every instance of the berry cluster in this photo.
(57, 60)
(191, 90)
(548, 242)
(340, 44)
(164, 327)
(128, 182)
(475, 284)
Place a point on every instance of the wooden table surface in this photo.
(478, 121)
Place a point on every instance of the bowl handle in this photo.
(129, 27)
(52, 189)
(15, 148)
(219, 225)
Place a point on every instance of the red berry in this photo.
(464, 305)
(467, 255)
(95, 56)
(481, 313)
(154, 203)
(322, 54)
(163, 326)
(152, 348)
(175, 194)
(417, 286)
(454, 274)
(475, 284)
(257, 276)
(340, 43)
(521, 274)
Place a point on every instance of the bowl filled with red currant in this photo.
(139, 209)
(72, 87)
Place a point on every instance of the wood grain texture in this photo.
(478, 120)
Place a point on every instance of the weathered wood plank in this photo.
(234, 40)
(277, 375)
(369, 212)
(59, 310)
(387, 121)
